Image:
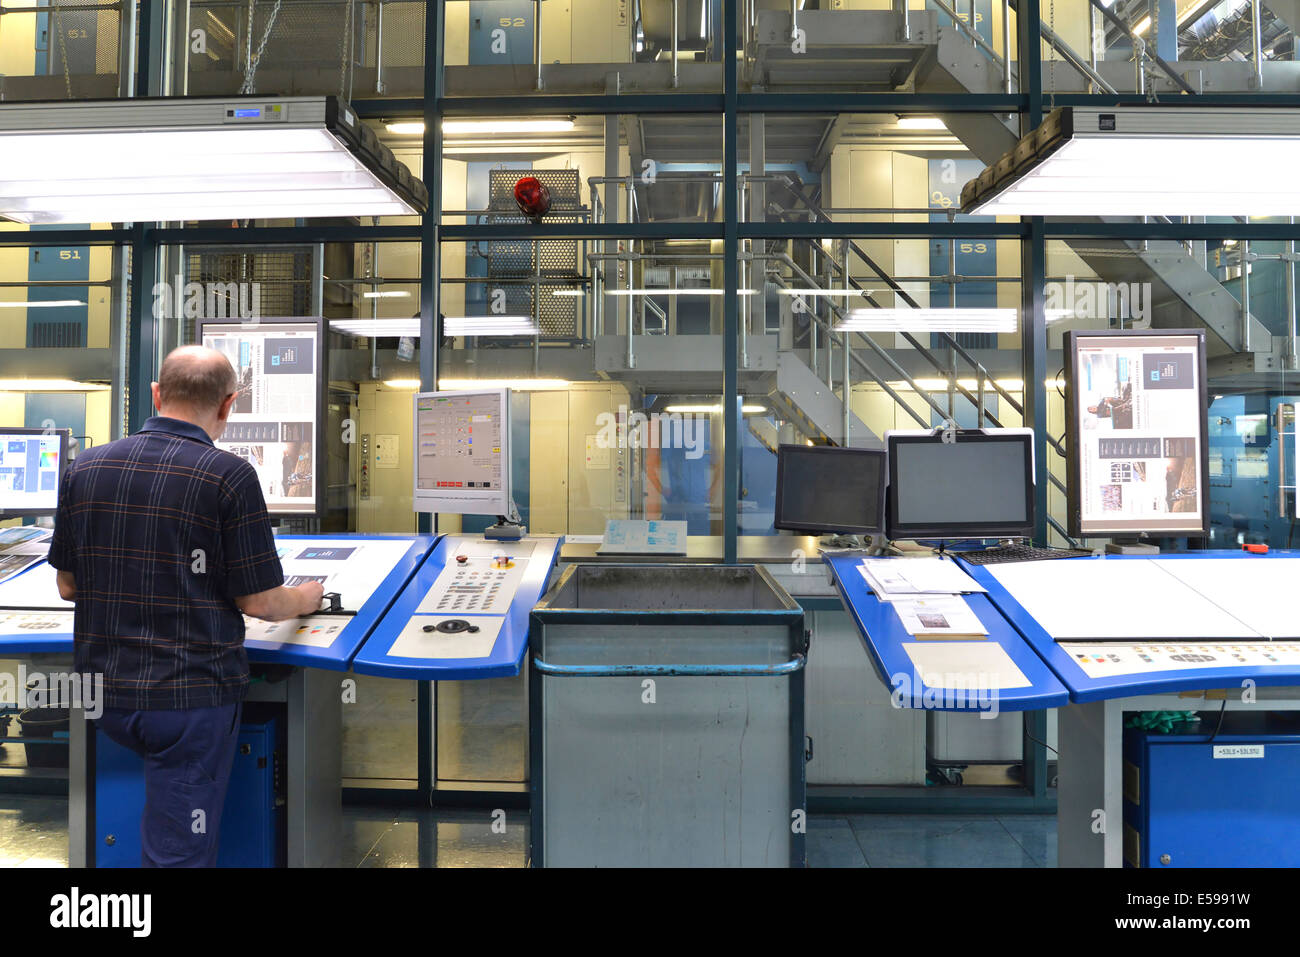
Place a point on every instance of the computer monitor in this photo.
(823, 488)
(277, 422)
(32, 463)
(1137, 422)
(462, 452)
(960, 484)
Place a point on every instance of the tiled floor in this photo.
(33, 833)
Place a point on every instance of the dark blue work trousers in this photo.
(187, 756)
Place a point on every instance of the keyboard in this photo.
(1020, 553)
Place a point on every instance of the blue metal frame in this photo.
(884, 637)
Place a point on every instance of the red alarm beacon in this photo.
(533, 198)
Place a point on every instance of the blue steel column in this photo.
(430, 326)
(730, 280)
(143, 331)
(1033, 356)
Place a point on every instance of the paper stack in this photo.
(927, 595)
(895, 578)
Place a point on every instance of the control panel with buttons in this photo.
(1111, 660)
(26, 623)
(475, 584)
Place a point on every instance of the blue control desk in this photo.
(367, 571)
(490, 585)
(947, 675)
(1198, 631)
(1130, 625)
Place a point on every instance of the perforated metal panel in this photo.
(283, 275)
(555, 261)
(90, 37)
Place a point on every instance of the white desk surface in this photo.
(1264, 593)
(1136, 600)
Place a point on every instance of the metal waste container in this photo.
(667, 719)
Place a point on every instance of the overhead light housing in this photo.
(458, 326)
(174, 159)
(746, 408)
(389, 294)
(490, 326)
(376, 328)
(921, 123)
(46, 304)
(929, 320)
(1146, 161)
(518, 385)
(51, 385)
(485, 127)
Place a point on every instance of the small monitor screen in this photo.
(31, 464)
(829, 489)
(462, 461)
(976, 485)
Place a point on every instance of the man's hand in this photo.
(312, 593)
(283, 601)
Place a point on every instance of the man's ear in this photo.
(157, 396)
(223, 412)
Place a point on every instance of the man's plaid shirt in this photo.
(162, 531)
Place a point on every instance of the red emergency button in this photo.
(461, 559)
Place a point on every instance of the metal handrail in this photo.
(981, 373)
(1060, 46)
(832, 337)
(846, 343)
(1139, 47)
(796, 663)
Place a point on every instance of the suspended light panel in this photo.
(173, 159)
(451, 326)
(929, 320)
(1146, 161)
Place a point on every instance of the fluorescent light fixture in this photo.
(1146, 161)
(518, 385)
(460, 326)
(921, 123)
(402, 383)
(929, 320)
(490, 326)
(47, 304)
(386, 295)
(1143, 26)
(675, 292)
(376, 328)
(485, 127)
(51, 385)
(574, 293)
(151, 160)
(713, 409)
(970, 385)
(826, 292)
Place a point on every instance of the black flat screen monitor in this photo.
(824, 488)
(961, 484)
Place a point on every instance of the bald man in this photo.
(162, 540)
